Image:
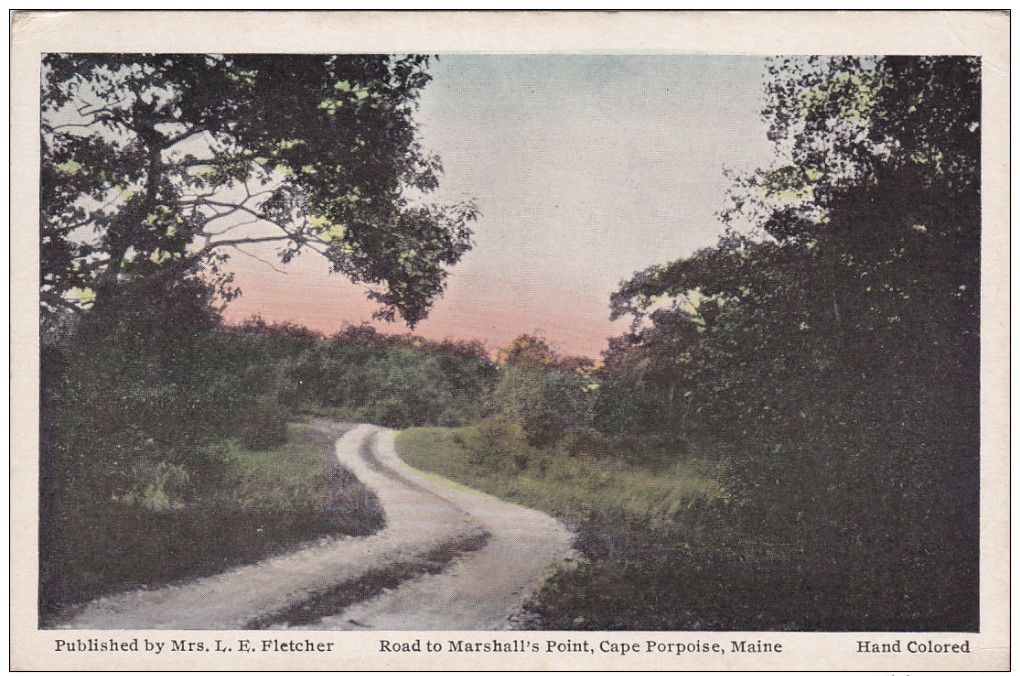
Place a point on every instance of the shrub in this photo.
(545, 403)
(267, 428)
(622, 408)
(498, 444)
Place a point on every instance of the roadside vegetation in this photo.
(574, 479)
(169, 443)
(821, 362)
(786, 438)
(171, 527)
(175, 448)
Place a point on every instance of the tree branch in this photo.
(229, 228)
(70, 125)
(261, 260)
(186, 134)
(233, 207)
(210, 245)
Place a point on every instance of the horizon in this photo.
(586, 168)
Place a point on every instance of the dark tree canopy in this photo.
(870, 219)
(158, 165)
(833, 331)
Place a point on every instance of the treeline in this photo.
(829, 348)
(151, 381)
(154, 414)
(161, 426)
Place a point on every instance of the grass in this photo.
(637, 524)
(574, 487)
(661, 549)
(269, 501)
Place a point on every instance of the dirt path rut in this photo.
(481, 589)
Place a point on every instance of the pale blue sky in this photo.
(586, 168)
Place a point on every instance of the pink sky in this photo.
(308, 295)
(586, 168)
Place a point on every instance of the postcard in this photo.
(510, 341)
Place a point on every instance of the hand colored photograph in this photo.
(478, 341)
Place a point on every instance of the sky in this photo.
(586, 169)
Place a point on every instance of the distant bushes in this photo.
(154, 417)
(141, 392)
(139, 388)
(390, 381)
(546, 403)
(497, 444)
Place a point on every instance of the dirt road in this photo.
(448, 558)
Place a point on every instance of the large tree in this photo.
(835, 342)
(865, 233)
(160, 165)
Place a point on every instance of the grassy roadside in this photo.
(656, 555)
(571, 486)
(267, 502)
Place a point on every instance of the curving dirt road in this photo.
(448, 558)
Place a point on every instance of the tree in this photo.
(166, 163)
(527, 351)
(544, 392)
(835, 341)
(865, 232)
(879, 166)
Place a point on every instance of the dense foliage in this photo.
(164, 431)
(836, 344)
(154, 168)
(164, 163)
(786, 438)
(820, 363)
(392, 380)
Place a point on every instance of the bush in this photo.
(390, 385)
(267, 428)
(545, 403)
(498, 444)
(166, 488)
(621, 408)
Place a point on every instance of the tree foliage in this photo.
(164, 163)
(527, 351)
(871, 261)
(835, 342)
(542, 391)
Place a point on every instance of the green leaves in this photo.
(170, 153)
(837, 344)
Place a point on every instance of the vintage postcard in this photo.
(510, 341)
